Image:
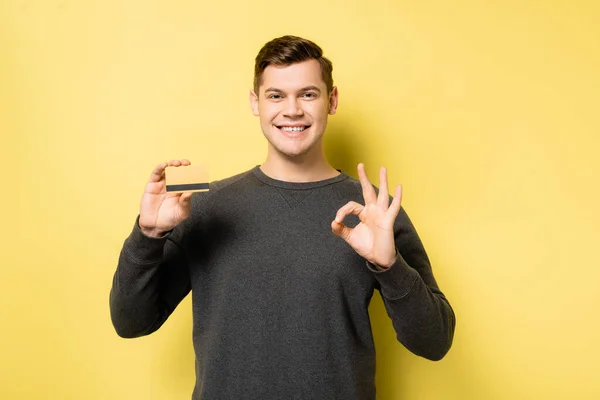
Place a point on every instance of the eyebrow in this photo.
(304, 89)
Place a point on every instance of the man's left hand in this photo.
(373, 237)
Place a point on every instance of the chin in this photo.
(290, 148)
(292, 154)
(297, 153)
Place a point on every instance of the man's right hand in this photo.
(161, 211)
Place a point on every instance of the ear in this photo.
(333, 100)
(254, 103)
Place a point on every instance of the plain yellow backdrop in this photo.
(486, 112)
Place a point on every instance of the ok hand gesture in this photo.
(373, 237)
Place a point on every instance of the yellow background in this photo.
(486, 111)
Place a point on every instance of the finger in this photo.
(185, 162)
(158, 173)
(367, 188)
(383, 200)
(351, 207)
(397, 202)
(174, 163)
(185, 198)
(341, 230)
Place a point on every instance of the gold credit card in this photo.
(191, 178)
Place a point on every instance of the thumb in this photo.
(185, 198)
(341, 230)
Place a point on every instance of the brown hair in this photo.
(287, 50)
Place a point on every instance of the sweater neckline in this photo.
(297, 185)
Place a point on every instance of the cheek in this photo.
(317, 110)
(267, 112)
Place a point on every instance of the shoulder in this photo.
(240, 178)
(348, 188)
(222, 189)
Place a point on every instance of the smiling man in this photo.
(293, 101)
(282, 260)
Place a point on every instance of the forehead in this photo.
(294, 76)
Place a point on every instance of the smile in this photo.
(293, 128)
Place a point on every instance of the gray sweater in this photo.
(280, 304)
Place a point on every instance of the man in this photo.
(282, 260)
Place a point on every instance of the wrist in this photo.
(152, 232)
(387, 263)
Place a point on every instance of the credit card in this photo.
(190, 178)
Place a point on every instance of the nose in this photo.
(293, 108)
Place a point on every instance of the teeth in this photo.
(292, 128)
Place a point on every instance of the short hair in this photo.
(287, 50)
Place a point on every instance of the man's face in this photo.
(293, 105)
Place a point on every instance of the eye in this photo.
(274, 96)
(309, 95)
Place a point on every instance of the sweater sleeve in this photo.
(421, 315)
(151, 279)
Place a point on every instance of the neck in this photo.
(305, 168)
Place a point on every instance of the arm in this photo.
(152, 274)
(385, 237)
(421, 315)
(150, 281)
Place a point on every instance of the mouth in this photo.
(293, 131)
(292, 128)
